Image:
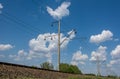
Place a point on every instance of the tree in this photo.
(69, 68)
(34, 66)
(75, 69)
(64, 67)
(47, 65)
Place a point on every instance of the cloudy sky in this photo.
(26, 35)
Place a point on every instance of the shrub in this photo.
(69, 68)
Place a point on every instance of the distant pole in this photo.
(98, 66)
(58, 45)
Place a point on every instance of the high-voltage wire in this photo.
(25, 26)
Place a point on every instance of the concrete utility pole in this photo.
(58, 45)
(98, 66)
(58, 22)
(60, 42)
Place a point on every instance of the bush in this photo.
(69, 68)
(47, 65)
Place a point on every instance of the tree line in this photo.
(64, 67)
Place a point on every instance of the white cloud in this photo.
(33, 54)
(74, 63)
(20, 56)
(104, 36)
(39, 45)
(112, 62)
(40, 48)
(1, 7)
(99, 54)
(116, 52)
(115, 56)
(79, 58)
(115, 61)
(116, 39)
(4, 47)
(22, 53)
(115, 66)
(60, 12)
(44, 48)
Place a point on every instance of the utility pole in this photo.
(60, 42)
(98, 66)
(58, 22)
(58, 45)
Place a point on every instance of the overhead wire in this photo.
(19, 24)
(26, 24)
(66, 27)
(26, 27)
(41, 4)
(81, 39)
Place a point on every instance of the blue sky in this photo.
(25, 23)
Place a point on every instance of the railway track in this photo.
(25, 66)
(14, 71)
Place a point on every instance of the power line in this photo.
(7, 17)
(25, 26)
(66, 27)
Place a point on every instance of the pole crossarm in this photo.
(73, 31)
